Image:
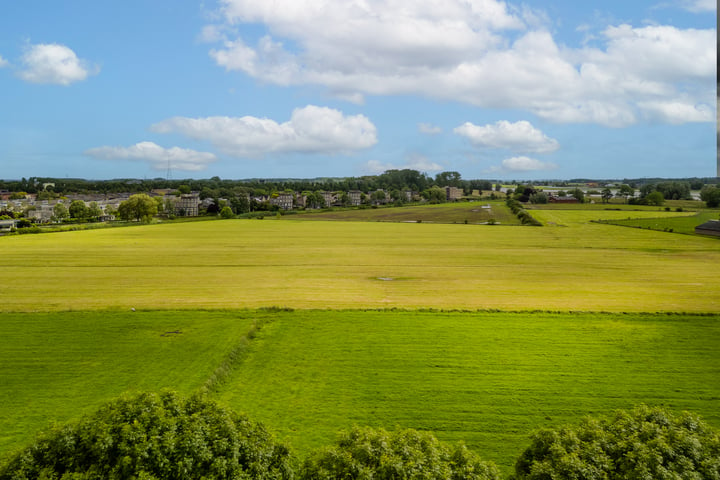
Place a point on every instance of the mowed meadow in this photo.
(303, 264)
(479, 333)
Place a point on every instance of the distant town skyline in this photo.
(302, 89)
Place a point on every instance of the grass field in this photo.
(683, 224)
(304, 264)
(464, 212)
(485, 378)
(69, 340)
(57, 366)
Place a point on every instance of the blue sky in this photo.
(308, 88)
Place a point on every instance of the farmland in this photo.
(485, 378)
(304, 264)
(477, 332)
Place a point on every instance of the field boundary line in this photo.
(235, 356)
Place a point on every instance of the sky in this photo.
(516, 90)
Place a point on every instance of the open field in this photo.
(485, 378)
(479, 212)
(304, 264)
(685, 224)
(57, 366)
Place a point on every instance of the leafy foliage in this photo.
(138, 207)
(645, 443)
(154, 436)
(367, 453)
(710, 194)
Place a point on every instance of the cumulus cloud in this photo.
(519, 136)
(413, 162)
(482, 53)
(158, 157)
(523, 164)
(54, 64)
(310, 129)
(3, 62)
(429, 129)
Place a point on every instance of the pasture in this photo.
(485, 378)
(304, 264)
(480, 212)
(676, 224)
(373, 340)
(56, 366)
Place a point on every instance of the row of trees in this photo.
(164, 436)
(396, 179)
(391, 179)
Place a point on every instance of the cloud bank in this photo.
(158, 157)
(54, 64)
(461, 51)
(310, 129)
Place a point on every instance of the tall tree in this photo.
(138, 207)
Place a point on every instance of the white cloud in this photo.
(3, 62)
(463, 51)
(158, 157)
(519, 136)
(310, 129)
(429, 129)
(54, 64)
(699, 6)
(522, 164)
(414, 162)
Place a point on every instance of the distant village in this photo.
(41, 210)
(44, 201)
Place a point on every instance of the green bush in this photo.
(645, 443)
(154, 436)
(367, 453)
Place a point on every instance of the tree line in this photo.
(389, 180)
(165, 436)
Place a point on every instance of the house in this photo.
(355, 197)
(188, 205)
(329, 197)
(7, 225)
(568, 199)
(283, 200)
(453, 193)
(711, 227)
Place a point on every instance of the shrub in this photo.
(645, 443)
(154, 436)
(377, 454)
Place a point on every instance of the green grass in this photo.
(460, 212)
(677, 224)
(485, 378)
(303, 264)
(57, 366)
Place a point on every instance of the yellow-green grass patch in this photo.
(303, 264)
